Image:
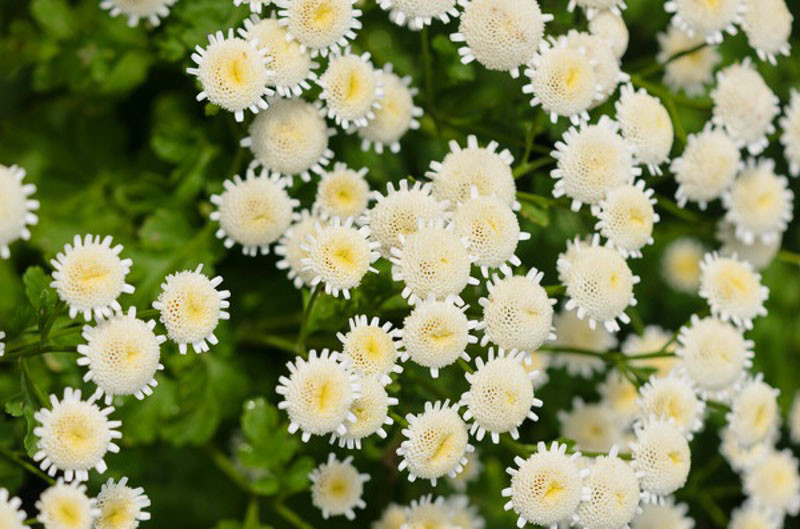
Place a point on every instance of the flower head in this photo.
(337, 487)
(319, 26)
(371, 410)
(463, 514)
(594, 427)
(593, 7)
(396, 115)
(16, 207)
(342, 192)
(741, 457)
(680, 264)
(2, 345)
(733, 289)
(606, 65)
(665, 515)
(417, 14)
(371, 348)
(645, 124)
(66, 506)
(661, 454)
(690, 72)
(652, 340)
(572, 331)
(290, 248)
(673, 398)
(393, 517)
(427, 512)
(351, 88)
(768, 26)
(611, 27)
(255, 5)
(121, 506)
(619, 396)
(11, 515)
(754, 516)
(754, 415)
(794, 419)
(627, 216)
(151, 10)
(772, 481)
(790, 135)
(614, 499)
(706, 19)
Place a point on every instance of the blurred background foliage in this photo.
(103, 118)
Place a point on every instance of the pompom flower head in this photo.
(646, 125)
(351, 88)
(754, 415)
(661, 454)
(396, 115)
(572, 331)
(337, 487)
(436, 443)
(318, 394)
(594, 427)
(16, 207)
(706, 18)
(233, 73)
(690, 72)
(673, 398)
(371, 410)
(74, 436)
(121, 506)
(371, 348)
(547, 487)
(790, 135)
(11, 515)
(772, 481)
(666, 515)
(500, 34)
(255, 5)
(759, 253)
(610, 26)
(342, 192)
(122, 354)
(66, 506)
(135, 10)
(89, 276)
(754, 516)
(627, 216)
(605, 63)
(253, 212)
(319, 26)
(733, 289)
(427, 512)
(614, 499)
(768, 26)
(191, 308)
(680, 264)
(417, 14)
(593, 7)
(290, 248)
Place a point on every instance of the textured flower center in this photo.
(553, 491)
(323, 16)
(355, 88)
(90, 275)
(675, 457)
(117, 515)
(68, 514)
(444, 448)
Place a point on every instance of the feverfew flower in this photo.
(661, 454)
(319, 26)
(472, 472)
(290, 248)
(794, 419)
(463, 514)
(646, 125)
(500, 396)
(754, 516)
(593, 7)
(89, 276)
(371, 409)
(754, 415)
(733, 289)
(393, 517)
(74, 436)
(255, 5)
(768, 26)
(436, 334)
(396, 115)
(614, 499)
(11, 516)
(790, 135)
(122, 354)
(680, 264)
(517, 314)
(619, 396)
(605, 63)
(290, 138)
(652, 340)
(66, 506)
(342, 192)
(135, 10)
(500, 34)
(706, 19)
(772, 481)
(741, 457)
(417, 14)
(594, 427)
(436, 443)
(2, 345)
(690, 72)
(547, 487)
(759, 254)
(371, 347)
(745, 105)
(191, 308)
(318, 394)
(571, 331)
(253, 212)
(16, 207)
(351, 89)
(426, 512)
(666, 515)
(233, 73)
(120, 506)
(611, 27)
(626, 218)
(673, 398)
(759, 203)
(337, 487)
(339, 255)
(592, 160)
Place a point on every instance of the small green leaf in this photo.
(537, 215)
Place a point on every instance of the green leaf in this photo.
(41, 296)
(537, 215)
(55, 16)
(16, 406)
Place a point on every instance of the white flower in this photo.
(614, 499)
(706, 168)
(500, 396)
(592, 160)
(754, 516)
(567, 257)
(436, 334)
(233, 73)
(772, 481)
(745, 105)
(371, 348)
(706, 19)
(337, 487)
(471, 472)
(593, 7)
(291, 68)
(733, 289)
(16, 207)
(794, 419)
(646, 125)
(754, 415)
(572, 331)
(319, 26)
(759, 203)
(253, 212)
(191, 308)
(605, 63)
(120, 506)
(432, 261)
(436, 443)
(339, 255)
(714, 354)
(690, 72)
(562, 81)
(371, 410)
(135, 10)
(122, 354)
(290, 248)
(66, 506)
(619, 396)
(290, 138)
(667, 515)
(463, 514)
(426, 512)
(594, 427)
(396, 115)
(89, 276)
(2, 345)
(342, 192)
(74, 436)
(393, 517)
(673, 398)
(741, 457)
(768, 26)
(255, 5)
(626, 218)
(537, 363)
(652, 340)
(547, 487)
(661, 454)
(318, 394)
(417, 14)
(481, 167)
(500, 34)
(759, 254)
(680, 264)
(11, 515)
(612, 28)
(790, 135)
(351, 88)
(517, 314)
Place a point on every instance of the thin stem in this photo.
(36, 351)
(37, 391)
(303, 334)
(557, 349)
(555, 290)
(399, 419)
(289, 515)
(465, 366)
(671, 207)
(789, 257)
(15, 458)
(657, 66)
(529, 167)
(225, 466)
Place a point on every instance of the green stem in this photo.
(36, 351)
(399, 419)
(529, 167)
(656, 66)
(555, 290)
(557, 349)
(465, 366)
(789, 257)
(309, 309)
(671, 207)
(225, 466)
(289, 515)
(37, 391)
(19, 460)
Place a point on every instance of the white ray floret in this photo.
(290, 248)
(615, 494)
(772, 481)
(371, 409)
(393, 517)
(66, 506)
(652, 340)
(74, 436)
(11, 514)
(135, 10)
(768, 26)
(673, 398)
(463, 514)
(759, 253)
(732, 289)
(646, 125)
(337, 488)
(666, 515)
(121, 506)
(255, 5)
(626, 218)
(416, 14)
(397, 114)
(753, 516)
(122, 355)
(708, 19)
(426, 512)
(502, 35)
(593, 7)
(594, 427)
(661, 454)
(611, 27)
(233, 72)
(342, 192)
(680, 264)
(572, 331)
(372, 348)
(790, 133)
(472, 472)
(691, 72)
(605, 64)
(254, 212)
(741, 457)
(352, 89)
(436, 443)
(619, 395)
(318, 394)
(16, 208)
(754, 415)
(320, 26)
(89, 276)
